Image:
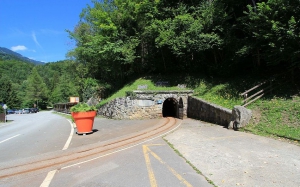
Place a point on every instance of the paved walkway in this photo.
(232, 158)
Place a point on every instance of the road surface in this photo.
(32, 138)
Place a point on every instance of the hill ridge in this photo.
(9, 54)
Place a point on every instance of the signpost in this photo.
(4, 107)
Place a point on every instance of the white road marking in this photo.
(48, 179)
(70, 137)
(10, 138)
(51, 174)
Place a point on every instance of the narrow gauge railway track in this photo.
(60, 159)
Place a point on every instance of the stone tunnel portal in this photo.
(170, 108)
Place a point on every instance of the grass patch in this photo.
(149, 81)
(276, 117)
(220, 94)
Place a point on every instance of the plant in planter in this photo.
(83, 115)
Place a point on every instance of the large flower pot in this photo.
(84, 121)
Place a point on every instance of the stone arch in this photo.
(170, 108)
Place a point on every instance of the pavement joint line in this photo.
(10, 138)
(70, 136)
(121, 149)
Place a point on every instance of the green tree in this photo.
(274, 29)
(36, 90)
(16, 71)
(64, 89)
(89, 89)
(8, 93)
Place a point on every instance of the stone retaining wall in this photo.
(125, 108)
(142, 104)
(147, 105)
(205, 111)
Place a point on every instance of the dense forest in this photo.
(24, 84)
(118, 40)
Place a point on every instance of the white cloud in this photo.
(35, 40)
(18, 48)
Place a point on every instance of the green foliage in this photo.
(36, 90)
(8, 94)
(1, 109)
(16, 71)
(220, 94)
(90, 88)
(64, 89)
(274, 31)
(82, 107)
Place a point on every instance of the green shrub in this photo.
(1, 109)
(82, 107)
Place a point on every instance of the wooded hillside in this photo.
(118, 39)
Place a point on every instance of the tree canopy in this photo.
(117, 39)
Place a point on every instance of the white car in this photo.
(18, 112)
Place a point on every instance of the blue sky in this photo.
(36, 28)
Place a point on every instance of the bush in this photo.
(82, 107)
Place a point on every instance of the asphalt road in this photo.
(27, 135)
(148, 163)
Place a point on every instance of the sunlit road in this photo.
(27, 135)
(148, 162)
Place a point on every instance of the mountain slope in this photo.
(7, 54)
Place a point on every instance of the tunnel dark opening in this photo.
(170, 106)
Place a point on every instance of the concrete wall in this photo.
(143, 105)
(205, 111)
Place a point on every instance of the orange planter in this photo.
(84, 121)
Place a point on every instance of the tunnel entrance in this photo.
(170, 108)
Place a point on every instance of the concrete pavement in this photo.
(232, 158)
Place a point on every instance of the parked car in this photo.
(18, 111)
(10, 111)
(33, 110)
(26, 111)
